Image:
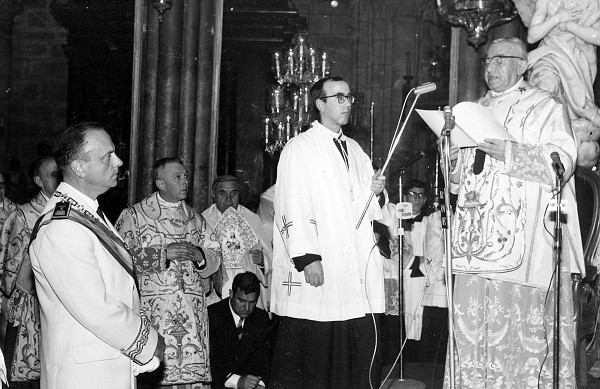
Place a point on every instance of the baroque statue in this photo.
(564, 63)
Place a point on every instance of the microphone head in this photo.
(425, 88)
(554, 155)
(447, 109)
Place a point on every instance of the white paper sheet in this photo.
(474, 123)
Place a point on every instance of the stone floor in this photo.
(431, 376)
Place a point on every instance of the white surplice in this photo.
(318, 202)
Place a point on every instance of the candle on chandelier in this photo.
(324, 65)
(287, 128)
(291, 61)
(301, 48)
(313, 60)
(306, 98)
(277, 57)
(296, 101)
(267, 130)
(276, 96)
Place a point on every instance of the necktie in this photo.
(343, 149)
(240, 328)
(101, 214)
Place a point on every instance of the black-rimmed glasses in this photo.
(341, 98)
(416, 195)
(497, 59)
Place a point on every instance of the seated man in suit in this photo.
(239, 340)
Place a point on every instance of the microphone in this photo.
(557, 164)
(425, 88)
(448, 120)
(420, 154)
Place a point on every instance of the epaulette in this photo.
(61, 210)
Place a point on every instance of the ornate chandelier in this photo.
(295, 68)
(477, 16)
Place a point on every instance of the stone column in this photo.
(175, 74)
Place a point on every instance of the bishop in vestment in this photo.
(327, 271)
(6, 207)
(174, 255)
(17, 283)
(249, 250)
(502, 249)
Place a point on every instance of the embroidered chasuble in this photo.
(238, 231)
(502, 250)
(499, 229)
(18, 285)
(6, 207)
(318, 201)
(173, 292)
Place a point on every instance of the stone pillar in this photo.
(226, 146)
(175, 95)
(465, 80)
(204, 87)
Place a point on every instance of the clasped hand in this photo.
(250, 382)
(256, 254)
(184, 251)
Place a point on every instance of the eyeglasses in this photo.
(341, 98)
(496, 59)
(415, 194)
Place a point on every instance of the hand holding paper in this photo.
(493, 147)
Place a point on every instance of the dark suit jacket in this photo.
(228, 353)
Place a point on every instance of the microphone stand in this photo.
(400, 233)
(557, 251)
(447, 224)
(402, 382)
(389, 157)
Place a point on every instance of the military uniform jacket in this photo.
(91, 328)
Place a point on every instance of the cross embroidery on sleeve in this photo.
(286, 226)
(314, 223)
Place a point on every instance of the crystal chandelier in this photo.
(477, 16)
(295, 68)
